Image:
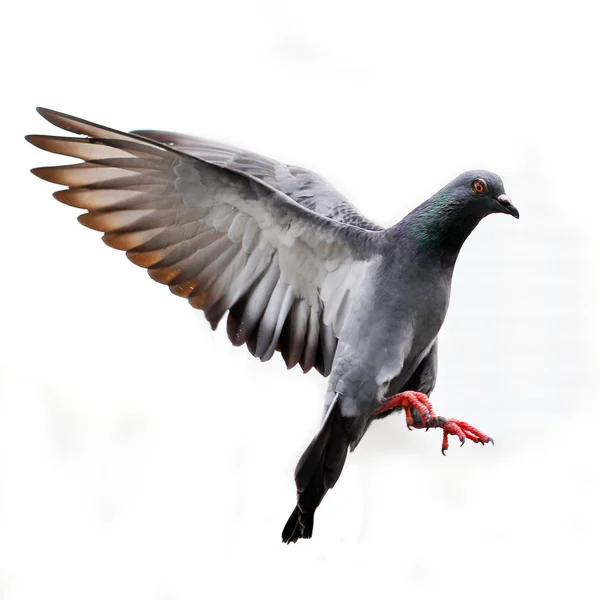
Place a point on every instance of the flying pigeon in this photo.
(294, 265)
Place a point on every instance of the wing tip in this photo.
(42, 173)
(43, 142)
(68, 122)
(51, 115)
(57, 119)
(88, 220)
(65, 197)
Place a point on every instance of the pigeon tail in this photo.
(299, 525)
(317, 471)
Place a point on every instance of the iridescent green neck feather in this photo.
(439, 227)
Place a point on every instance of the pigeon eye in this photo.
(479, 186)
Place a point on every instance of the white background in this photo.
(141, 457)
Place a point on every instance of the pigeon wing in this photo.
(225, 239)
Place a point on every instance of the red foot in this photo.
(427, 418)
(407, 400)
(461, 429)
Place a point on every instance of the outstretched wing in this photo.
(226, 240)
(305, 187)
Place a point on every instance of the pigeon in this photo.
(294, 266)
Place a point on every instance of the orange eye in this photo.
(479, 186)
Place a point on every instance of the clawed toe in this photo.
(463, 431)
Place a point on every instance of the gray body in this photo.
(393, 329)
(294, 266)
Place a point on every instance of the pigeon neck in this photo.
(439, 227)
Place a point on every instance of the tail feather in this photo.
(298, 526)
(318, 470)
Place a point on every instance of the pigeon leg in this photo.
(420, 414)
(409, 400)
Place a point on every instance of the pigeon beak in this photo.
(506, 206)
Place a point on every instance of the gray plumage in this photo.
(292, 263)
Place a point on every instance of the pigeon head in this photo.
(481, 192)
(440, 226)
